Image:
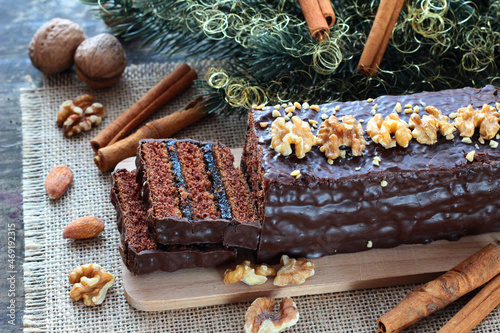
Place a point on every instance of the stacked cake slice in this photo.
(186, 206)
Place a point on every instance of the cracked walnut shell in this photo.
(249, 274)
(80, 114)
(486, 119)
(260, 317)
(332, 135)
(425, 129)
(294, 271)
(389, 131)
(90, 283)
(296, 132)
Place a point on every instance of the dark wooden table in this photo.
(18, 22)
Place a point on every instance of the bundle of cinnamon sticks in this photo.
(112, 146)
(470, 274)
(380, 34)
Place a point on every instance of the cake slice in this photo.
(140, 252)
(195, 195)
(374, 196)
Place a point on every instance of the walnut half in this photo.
(80, 114)
(296, 132)
(294, 271)
(382, 131)
(486, 119)
(425, 129)
(260, 317)
(248, 273)
(90, 283)
(332, 134)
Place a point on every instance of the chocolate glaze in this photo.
(433, 192)
(167, 258)
(173, 230)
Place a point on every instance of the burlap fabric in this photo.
(49, 257)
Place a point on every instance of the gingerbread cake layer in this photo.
(417, 194)
(195, 195)
(140, 253)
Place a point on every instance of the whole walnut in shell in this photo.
(100, 61)
(53, 46)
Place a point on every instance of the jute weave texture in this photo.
(49, 257)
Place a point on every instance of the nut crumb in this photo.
(324, 109)
(295, 173)
(337, 108)
(416, 109)
(276, 113)
(261, 107)
(373, 112)
(261, 139)
(450, 137)
(497, 137)
(477, 146)
(297, 105)
(466, 140)
(383, 183)
(369, 244)
(398, 107)
(357, 168)
(330, 161)
(290, 109)
(284, 105)
(423, 104)
(408, 106)
(315, 107)
(313, 122)
(375, 106)
(410, 110)
(493, 144)
(305, 105)
(376, 161)
(277, 106)
(369, 100)
(324, 116)
(263, 124)
(470, 155)
(481, 140)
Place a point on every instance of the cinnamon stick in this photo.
(432, 296)
(109, 156)
(380, 34)
(171, 86)
(476, 310)
(316, 22)
(327, 11)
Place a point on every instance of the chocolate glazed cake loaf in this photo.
(195, 195)
(140, 252)
(374, 196)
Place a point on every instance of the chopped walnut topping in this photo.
(332, 135)
(466, 140)
(376, 161)
(416, 109)
(80, 114)
(337, 108)
(450, 137)
(369, 100)
(294, 271)
(295, 173)
(486, 119)
(381, 130)
(383, 183)
(245, 272)
(425, 129)
(315, 107)
(481, 140)
(297, 105)
(324, 116)
(296, 132)
(369, 244)
(290, 109)
(397, 108)
(276, 113)
(264, 124)
(408, 106)
(260, 317)
(277, 106)
(410, 110)
(305, 105)
(493, 144)
(470, 155)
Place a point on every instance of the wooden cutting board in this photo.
(370, 269)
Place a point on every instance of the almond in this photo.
(58, 181)
(84, 227)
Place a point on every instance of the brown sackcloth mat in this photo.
(49, 257)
